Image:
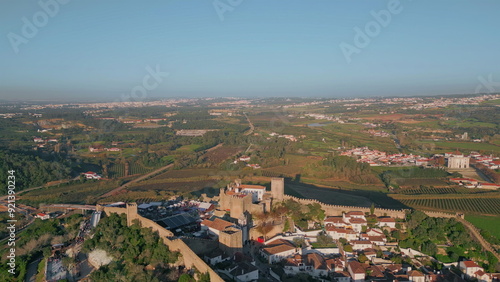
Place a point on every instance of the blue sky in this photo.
(101, 49)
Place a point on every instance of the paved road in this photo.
(32, 270)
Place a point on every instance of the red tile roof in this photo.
(335, 219)
(246, 186)
(357, 221)
(386, 219)
(217, 224)
(469, 263)
(356, 267)
(278, 246)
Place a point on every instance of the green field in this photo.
(465, 145)
(489, 223)
(188, 148)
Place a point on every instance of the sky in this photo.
(120, 49)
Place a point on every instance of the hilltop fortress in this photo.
(239, 198)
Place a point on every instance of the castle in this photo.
(239, 198)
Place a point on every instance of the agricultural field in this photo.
(488, 223)
(116, 170)
(72, 193)
(178, 186)
(443, 190)
(187, 173)
(442, 146)
(489, 206)
(417, 182)
(220, 154)
(139, 168)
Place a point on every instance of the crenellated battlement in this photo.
(338, 209)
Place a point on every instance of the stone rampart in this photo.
(189, 257)
(336, 210)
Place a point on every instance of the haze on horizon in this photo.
(102, 50)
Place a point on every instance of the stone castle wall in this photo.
(336, 210)
(189, 257)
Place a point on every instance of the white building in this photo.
(278, 250)
(386, 221)
(360, 245)
(357, 271)
(458, 162)
(257, 191)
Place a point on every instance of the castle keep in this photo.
(239, 198)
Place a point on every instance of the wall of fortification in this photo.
(109, 210)
(336, 210)
(439, 214)
(190, 259)
(277, 229)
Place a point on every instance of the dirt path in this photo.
(250, 131)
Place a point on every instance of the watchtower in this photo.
(277, 189)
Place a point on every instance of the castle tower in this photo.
(277, 189)
(131, 213)
(231, 240)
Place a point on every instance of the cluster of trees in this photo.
(342, 167)
(133, 248)
(425, 233)
(30, 169)
(301, 214)
(493, 175)
(36, 240)
(324, 240)
(290, 210)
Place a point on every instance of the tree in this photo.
(299, 241)
(204, 277)
(324, 239)
(185, 278)
(316, 212)
(362, 258)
